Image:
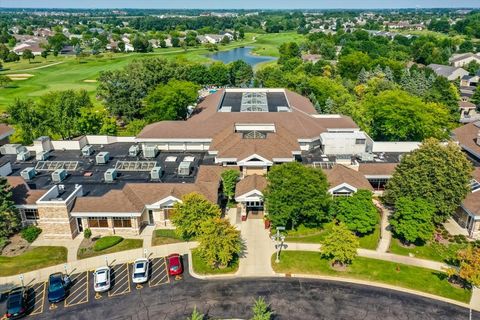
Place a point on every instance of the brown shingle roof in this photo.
(466, 136)
(340, 174)
(21, 192)
(472, 200)
(377, 169)
(5, 130)
(249, 183)
(134, 196)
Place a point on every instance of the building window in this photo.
(360, 141)
(30, 214)
(97, 222)
(378, 183)
(119, 222)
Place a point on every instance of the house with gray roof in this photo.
(449, 72)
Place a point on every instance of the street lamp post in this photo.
(279, 242)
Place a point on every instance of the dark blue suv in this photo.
(58, 285)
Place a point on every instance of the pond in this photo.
(242, 53)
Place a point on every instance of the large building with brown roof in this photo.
(118, 185)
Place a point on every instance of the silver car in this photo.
(101, 279)
(140, 270)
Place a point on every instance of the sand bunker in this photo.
(89, 80)
(20, 75)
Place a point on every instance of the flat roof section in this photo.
(232, 101)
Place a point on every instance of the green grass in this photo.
(430, 251)
(33, 259)
(165, 236)
(71, 73)
(317, 235)
(106, 242)
(200, 267)
(400, 275)
(125, 244)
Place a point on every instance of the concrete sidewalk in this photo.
(385, 233)
(95, 262)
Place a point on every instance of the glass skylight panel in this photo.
(254, 102)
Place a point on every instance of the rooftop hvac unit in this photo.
(156, 173)
(28, 173)
(150, 152)
(23, 156)
(184, 168)
(102, 157)
(87, 150)
(365, 156)
(110, 175)
(59, 175)
(134, 150)
(42, 156)
(11, 148)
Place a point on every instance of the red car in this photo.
(174, 264)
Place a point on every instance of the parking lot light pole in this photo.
(145, 252)
(21, 279)
(106, 261)
(279, 242)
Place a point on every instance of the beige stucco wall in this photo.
(247, 171)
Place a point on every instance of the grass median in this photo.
(106, 245)
(410, 277)
(202, 268)
(33, 259)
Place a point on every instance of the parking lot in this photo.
(81, 292)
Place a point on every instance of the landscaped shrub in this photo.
(87, 233)
(31, 233)
(106, 242)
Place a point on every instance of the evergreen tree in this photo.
(261, 310)
(330, 105)
(363, 76)
(10, 221)
(389, 74)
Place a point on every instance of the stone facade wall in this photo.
(56, 222)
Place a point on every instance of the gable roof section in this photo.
(377, 169)
(466, 136)
(340, 174)
(250, 183)
(21, 192)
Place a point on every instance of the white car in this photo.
(140, 270)
(101, 279)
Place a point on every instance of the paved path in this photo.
(385, 233)
(377, 255)
(258, 249)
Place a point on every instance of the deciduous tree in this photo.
(28, 55)
(412, 219)
(296, 194)
(469, 265)
(230, 179)
(340, 245)
(357, 212)
(435, 172)
(188, 214)
(219, 242)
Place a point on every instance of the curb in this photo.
(380, 285)
(207, 277)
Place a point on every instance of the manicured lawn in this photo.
(400, 275)
(306, 235)
(200, 267)
(125, 244)
(165, 236)
(71, 73)
(430, 251)
(267, 44)
(33, 259)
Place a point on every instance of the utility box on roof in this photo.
(10, 148)
(156, 173)
(42, 156)
(150, 152)
(134, 150)
(28, 173)
(23, 156)
(59, 175)
(110, 175)
(102, 157)
(184, 168)
(87, 150)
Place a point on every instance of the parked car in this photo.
(174, 264)
(16, 303)
(58, 284)
(101, 279)
(140, 270)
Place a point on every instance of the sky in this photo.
(241, 4)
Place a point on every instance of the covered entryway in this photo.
(249, 196)
(254, 209)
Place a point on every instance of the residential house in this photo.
(449, 72)
(462, 59)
